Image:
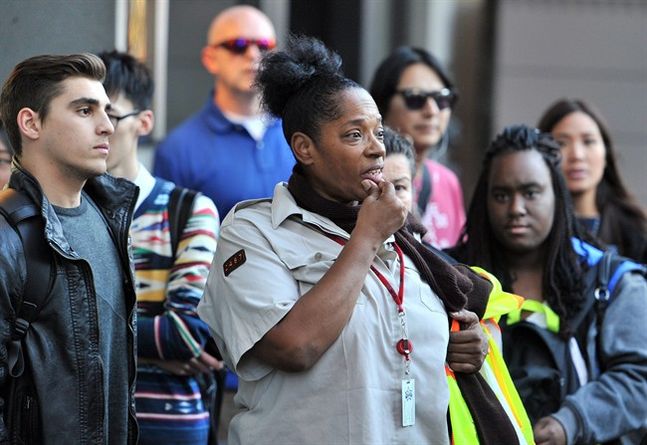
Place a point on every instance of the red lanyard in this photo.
(404, 345)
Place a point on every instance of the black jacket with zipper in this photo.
(62, 345)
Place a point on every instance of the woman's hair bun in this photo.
(283, 73)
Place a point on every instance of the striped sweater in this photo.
(169, 407)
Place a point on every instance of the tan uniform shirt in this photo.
(352, 394)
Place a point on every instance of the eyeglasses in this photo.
(116, 119)
(5, 162)
(239, 46)
(416, 99)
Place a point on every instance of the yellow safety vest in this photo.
(494, 371)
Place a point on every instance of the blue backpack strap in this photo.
(625, 266)
(610, 269)
(26, 219)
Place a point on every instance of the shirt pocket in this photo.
(421, 290)
(308, 271)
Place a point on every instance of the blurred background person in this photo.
(5, 157)
(415, 97)
(574, 360)
(229, 150)
(399, 166)
(603, 204)
(170, 273)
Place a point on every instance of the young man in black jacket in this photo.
(77, 385)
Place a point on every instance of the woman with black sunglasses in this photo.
(415, 97)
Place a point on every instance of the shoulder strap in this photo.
(180, 207)
(25, 217)
(610, 270)
(425, 191)
(611, 267)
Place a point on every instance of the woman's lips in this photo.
(576, 174)
(374, 174)
(517, 229)
(426, 128)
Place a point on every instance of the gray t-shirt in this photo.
(87, 233)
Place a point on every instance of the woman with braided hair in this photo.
(307, 298)
(577, 348)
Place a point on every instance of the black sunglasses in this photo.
(240, 45)
(416, 99)
(115, 119)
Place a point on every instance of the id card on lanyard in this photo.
(404, 346)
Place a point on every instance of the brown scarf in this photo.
(456, 285)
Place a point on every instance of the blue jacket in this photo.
(212, 155)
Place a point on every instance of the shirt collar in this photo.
(219, 122)
(145, 181)
(284, 206)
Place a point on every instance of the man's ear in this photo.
(303, 148)
(207, 57)
(146, 122)
(29, 123)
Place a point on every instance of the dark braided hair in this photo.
(562, 277)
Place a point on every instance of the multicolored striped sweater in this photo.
(169, 287)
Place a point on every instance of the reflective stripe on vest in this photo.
(494, 371)
(550, 317)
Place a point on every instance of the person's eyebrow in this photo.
(522, 186)
(361, 120)
(531, 184)
(84, 101)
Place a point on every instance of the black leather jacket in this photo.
(62, 343)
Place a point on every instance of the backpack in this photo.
(540, 361)
(20, 398)
(180, 207)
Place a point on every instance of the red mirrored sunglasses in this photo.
(240, 45)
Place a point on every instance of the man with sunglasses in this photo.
(228, 150)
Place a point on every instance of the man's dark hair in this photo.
(4, 139)
(34, 82)
(127, 75)
(562, 278)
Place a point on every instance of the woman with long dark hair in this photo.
(577, 349)
(415, 96)
(603, 204)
